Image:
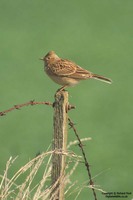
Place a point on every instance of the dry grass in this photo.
(40, 166)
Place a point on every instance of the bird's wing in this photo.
(81, 73)
(80, 70)
(63, 68)
(69, 69)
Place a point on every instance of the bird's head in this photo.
(50, 57)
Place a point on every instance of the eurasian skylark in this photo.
(67, 73)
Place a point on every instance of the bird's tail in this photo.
(101, 78)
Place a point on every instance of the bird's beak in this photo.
(41, 58)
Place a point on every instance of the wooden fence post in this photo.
(59, 144)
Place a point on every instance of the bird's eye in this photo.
(48, 58)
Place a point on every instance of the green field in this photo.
(96, 34)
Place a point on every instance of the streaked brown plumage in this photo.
(65, 72)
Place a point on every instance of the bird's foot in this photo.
(60, 90)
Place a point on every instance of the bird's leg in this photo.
(61, 89)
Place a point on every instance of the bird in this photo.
(66, 72)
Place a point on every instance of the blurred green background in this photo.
(98, 35)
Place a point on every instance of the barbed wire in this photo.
(18, 106)
(91, 183)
